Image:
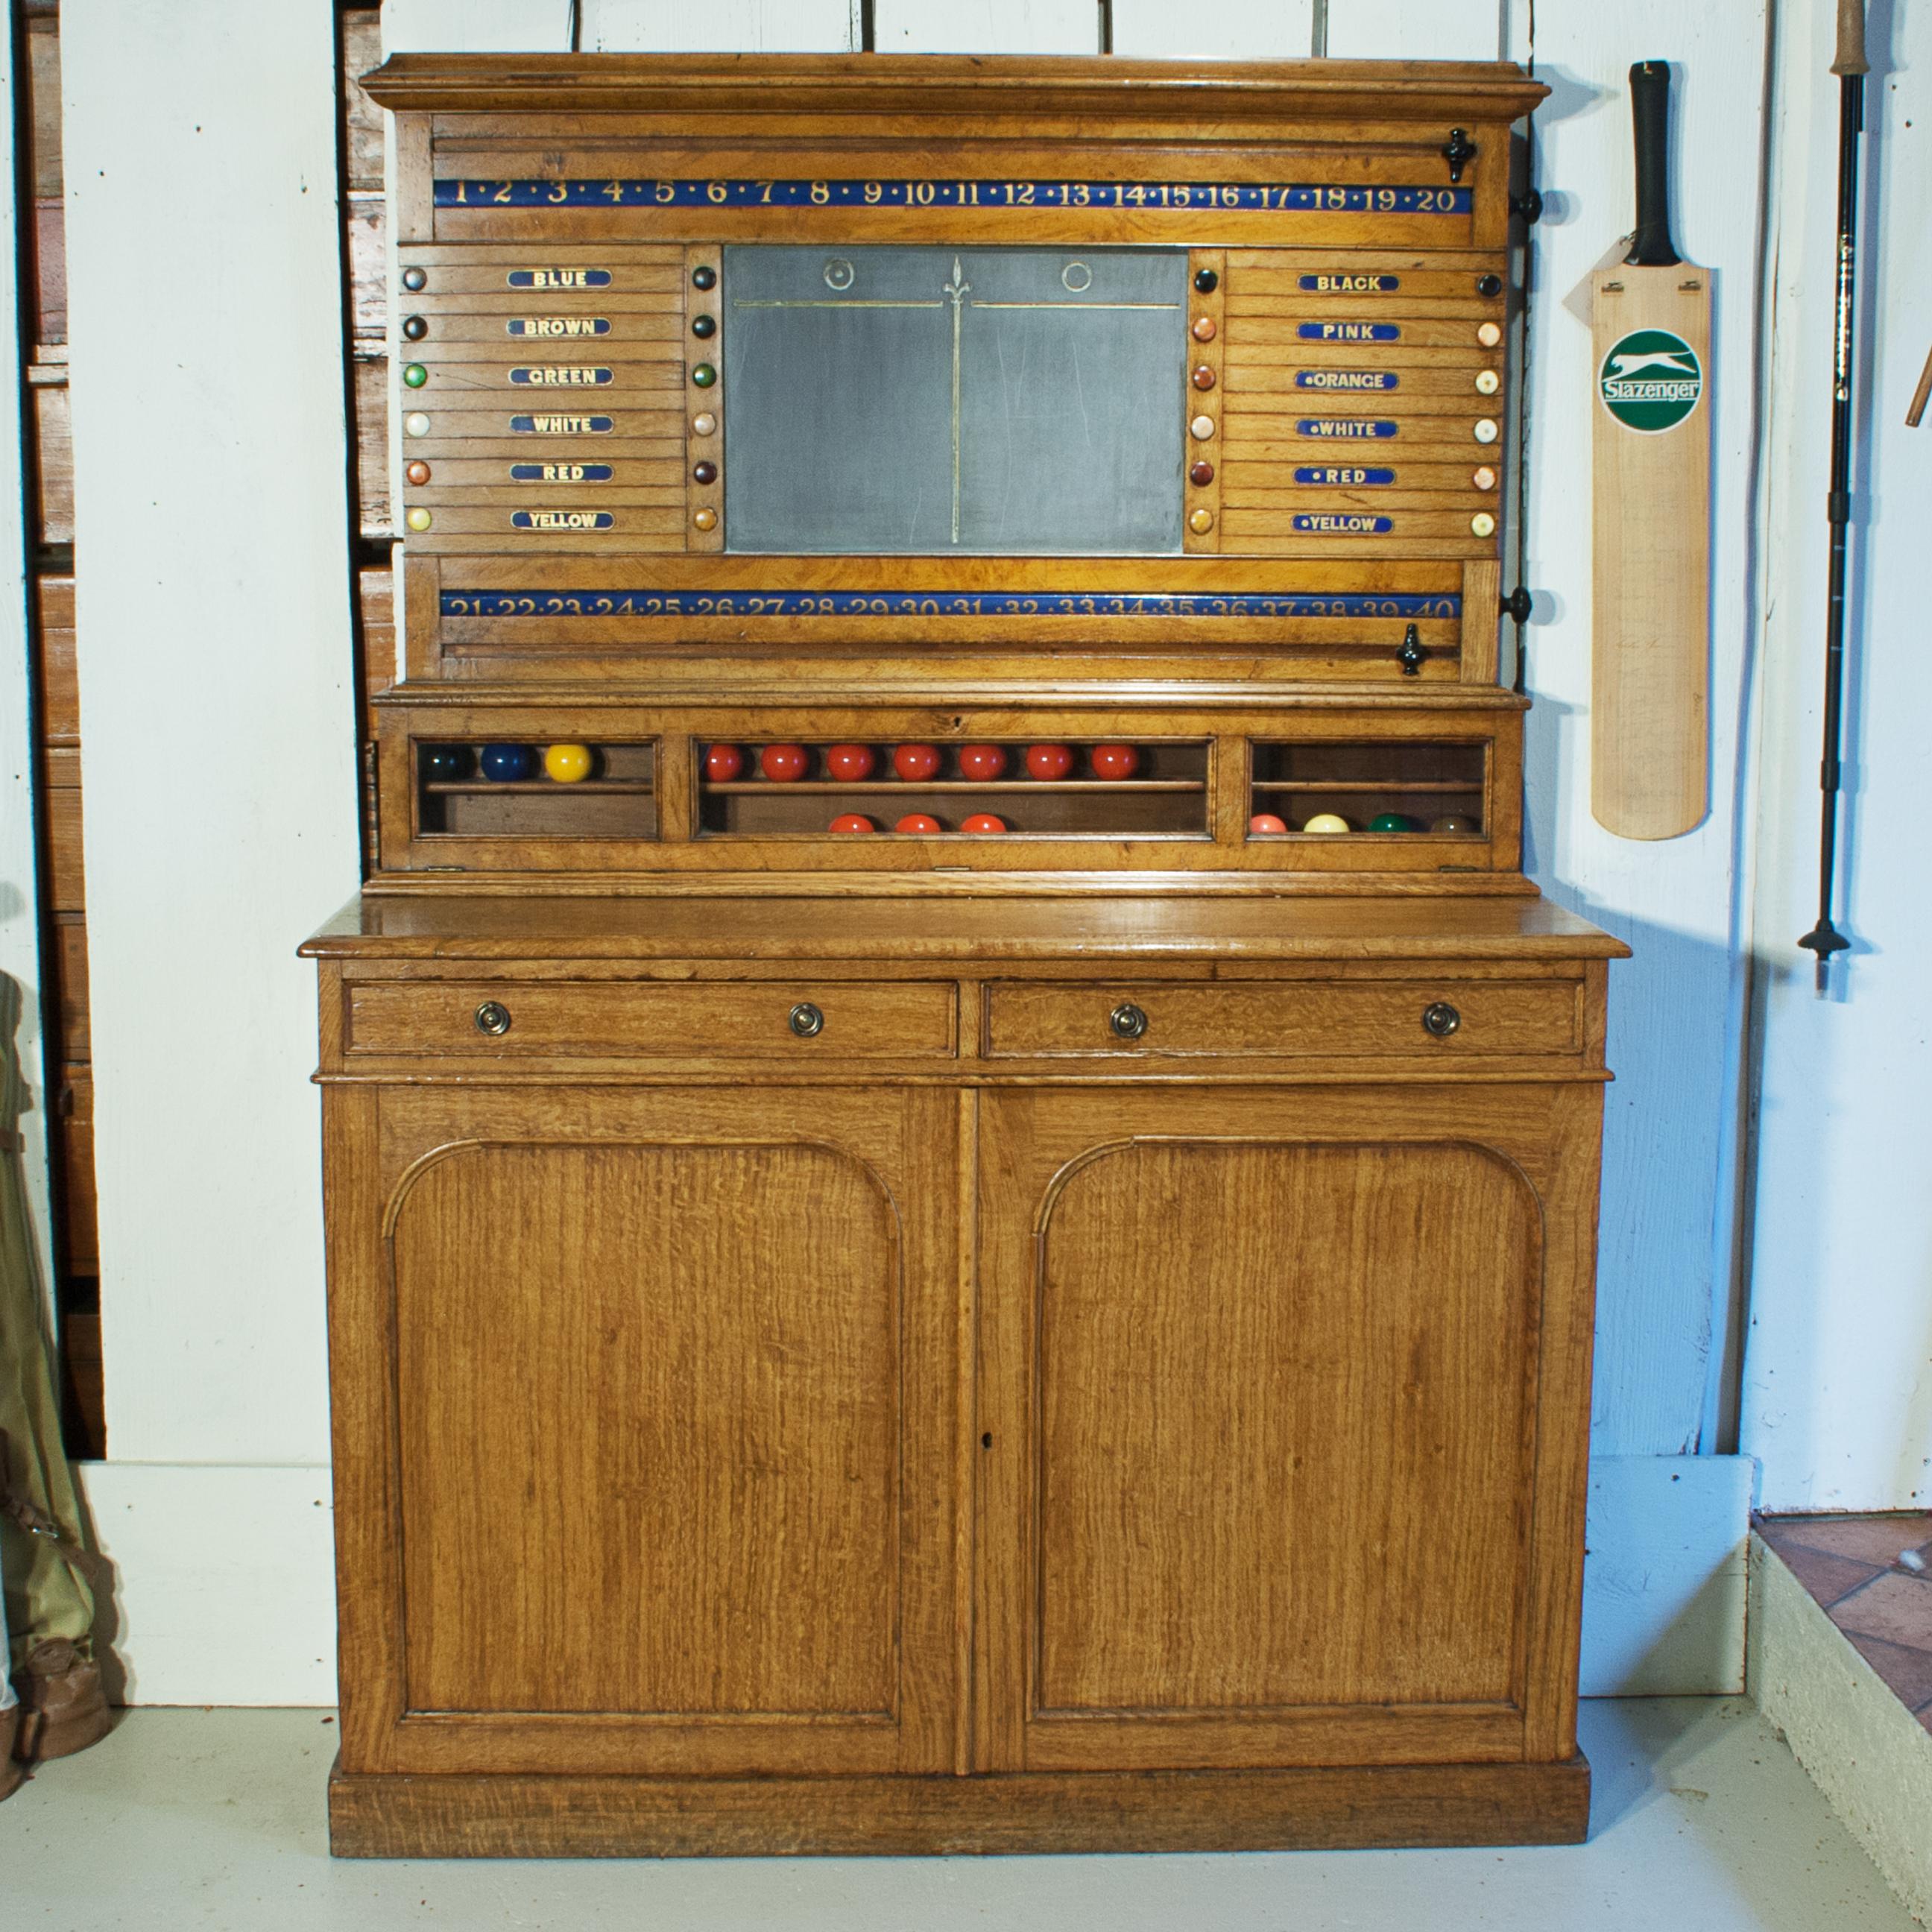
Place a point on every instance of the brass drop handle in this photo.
(492, 1018)
(1127, 1021)
(1441, 1019)
(806, 1021)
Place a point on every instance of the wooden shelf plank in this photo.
(539, 788)
(916, 787)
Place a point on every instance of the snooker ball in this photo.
(915, 761)
(445, 761)
(1452, 821)
(1326, 821)
(1393, 821)
(853, 821)
(1115, 761)
(849, 761)
(1267, 821)
(921, 824)
(1048, 761)
(983, 821)
(782, 763)
(568, 764)
(723, 763)
(982, 761)
(506, 764)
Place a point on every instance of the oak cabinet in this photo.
(855, 1451)
(961, 1169)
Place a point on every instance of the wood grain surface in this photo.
(459, 1816)
(1650, 666)
(963, 1426)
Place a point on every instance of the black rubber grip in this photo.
(1650, 123)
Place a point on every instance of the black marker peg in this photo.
(1411, 655)
(1458, 151)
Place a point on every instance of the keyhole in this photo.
(986, 1440)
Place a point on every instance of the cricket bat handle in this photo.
(1650, 125)
(1851, 57)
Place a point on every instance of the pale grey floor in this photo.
(214, 1820)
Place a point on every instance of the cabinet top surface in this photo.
(964, 933)
(767, 84)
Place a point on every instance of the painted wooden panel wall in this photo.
(1837, 1400)
(219, 511)
(215, 679)
(1670, 1157)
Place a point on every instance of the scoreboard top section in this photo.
(772, 348)
(751, 147)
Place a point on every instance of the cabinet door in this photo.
(654, 1472)
(1261, 1477)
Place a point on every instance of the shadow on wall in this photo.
(1666, 1206)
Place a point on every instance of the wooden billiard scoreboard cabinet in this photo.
(961, 1170)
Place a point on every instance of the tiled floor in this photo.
(1872, 1575)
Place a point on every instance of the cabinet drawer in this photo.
(1323, 1017)
(592, 1020)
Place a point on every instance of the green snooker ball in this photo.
(1393, 821)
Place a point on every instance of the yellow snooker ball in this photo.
(1326, 821)
(567, 763)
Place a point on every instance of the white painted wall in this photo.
(222, 805)
(1669, 1172)
(1838, 1399)
(219, 756)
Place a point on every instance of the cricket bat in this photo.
(1651, 509)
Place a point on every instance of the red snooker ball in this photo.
(782, 763)
(982, 761)
(1266, 821)
(1115, 761)
(850, 761)
(983, 821)
(919, 822)
(723, 763)
(853, 821)
(1048, 761)
(915, 761)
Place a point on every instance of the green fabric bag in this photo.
(44, 1558)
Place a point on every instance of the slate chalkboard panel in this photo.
(930, 400)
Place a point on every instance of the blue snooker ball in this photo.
(506, 764)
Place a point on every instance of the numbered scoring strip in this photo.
(1290, 197)
(922, 603)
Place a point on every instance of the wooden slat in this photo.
(80, 1213)
(68, 957)
(57, 692)
(53, 455)
(364, 221)
(63, 883)
(372, 445)
(361, 50)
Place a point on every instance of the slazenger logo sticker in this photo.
(1650, 380)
